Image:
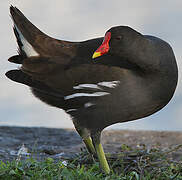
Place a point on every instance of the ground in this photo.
(58, 143)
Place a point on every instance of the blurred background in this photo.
(77, 21)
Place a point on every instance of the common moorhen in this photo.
(99, 82)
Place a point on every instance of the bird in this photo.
(122, 76)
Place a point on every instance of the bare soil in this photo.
(57, 143)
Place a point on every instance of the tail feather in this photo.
(21, 77)
(26, 34)
(28, 30)
(18, 59)
(19, 42)
(33, 42)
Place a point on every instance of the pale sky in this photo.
(80, 20)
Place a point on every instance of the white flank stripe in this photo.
(27, 47)
(85, 86)
(96, 94)
(86, 105)
(69, 110)
(109, 84)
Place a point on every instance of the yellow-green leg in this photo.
(93, 145)
(89, 145)
(100, 153)
(85, 135)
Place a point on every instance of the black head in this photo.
(119, 41)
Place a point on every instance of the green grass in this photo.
(127, 165)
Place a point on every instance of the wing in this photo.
(63, 82)
(60, 73)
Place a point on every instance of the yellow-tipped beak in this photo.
(104, 47)
(96, 54)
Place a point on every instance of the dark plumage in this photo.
(131, 76)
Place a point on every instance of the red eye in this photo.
(118, 38)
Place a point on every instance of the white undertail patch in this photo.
(27, 47)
